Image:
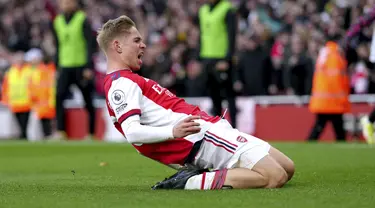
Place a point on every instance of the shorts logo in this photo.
(241, 139)
(118, 97)
(121, 108)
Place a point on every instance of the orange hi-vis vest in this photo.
(16, 90)
(331, 89)
(44, 90)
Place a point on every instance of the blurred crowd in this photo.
(277, 40)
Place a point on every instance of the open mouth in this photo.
(140, 55)
(140, 58)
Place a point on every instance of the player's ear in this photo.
(117, 46)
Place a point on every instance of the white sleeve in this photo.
(124, 98)
(138, 133)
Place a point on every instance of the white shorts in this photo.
(226, 147)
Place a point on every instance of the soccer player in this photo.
(367, 122)
(166, 129)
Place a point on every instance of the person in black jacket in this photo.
(252, 73)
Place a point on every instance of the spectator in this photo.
(277, 56)
(195, 82)
(361, 70)
(252, 73)
(170, 29)
(298, 69)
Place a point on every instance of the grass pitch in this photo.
(69, 174)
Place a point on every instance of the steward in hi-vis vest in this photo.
(330, 91)
(43, 85)
(217, 23)
(16, 93)
(75, 44)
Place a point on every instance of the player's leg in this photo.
(266, 173)
(240, 160)
(320, 122)
(262, 149)
(252, 163)
(253, 168)
(367, 124)
(285, 162)
(259, 160)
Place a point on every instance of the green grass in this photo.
(40, 175)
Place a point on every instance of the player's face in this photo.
(132, 49)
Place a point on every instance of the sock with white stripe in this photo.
(207, 180)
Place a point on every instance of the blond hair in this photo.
(113, 28)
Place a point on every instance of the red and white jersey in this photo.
(129, 94)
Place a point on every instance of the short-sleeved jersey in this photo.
(129, 94)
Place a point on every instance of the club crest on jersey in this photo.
(241, 139)
(118, 97)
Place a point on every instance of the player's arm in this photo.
(362, 22)
(125, 100)
(138, 133)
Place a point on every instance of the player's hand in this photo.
(186, 127)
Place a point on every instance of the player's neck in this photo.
(116, 66)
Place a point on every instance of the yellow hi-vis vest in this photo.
(71, 40)
(18, 88)
(214, 36)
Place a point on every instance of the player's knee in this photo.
(289, 168)
(277, 178)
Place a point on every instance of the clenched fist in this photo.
(186, 127)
